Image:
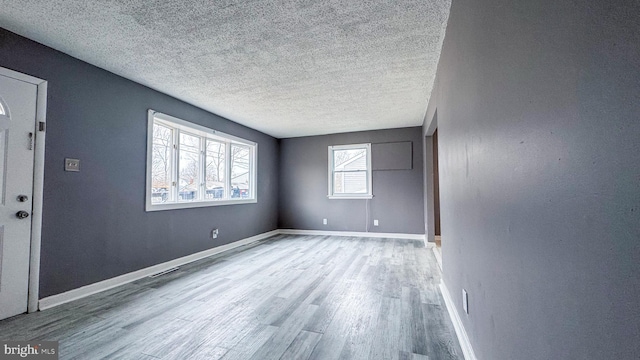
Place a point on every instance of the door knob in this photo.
(22, 214)
(23, 198)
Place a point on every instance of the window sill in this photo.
(350, 197)
(197, 204)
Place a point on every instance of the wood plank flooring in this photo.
(288, 297)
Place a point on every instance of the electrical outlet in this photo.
(465, 301)
(324, 221)
(375, 222)
(214, 234)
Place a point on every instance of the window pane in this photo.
(189, 179)
(350, 182)
(161, 164)
(240, 176)
(351, 159)
(215, 170)
(2, 110)
(189, 142)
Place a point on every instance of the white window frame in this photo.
(204, 133)
(331, 194)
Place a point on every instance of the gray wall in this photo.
(538, 107)
(397, 202)
(95, 226)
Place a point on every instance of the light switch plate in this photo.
(71, 164)
(375, 222)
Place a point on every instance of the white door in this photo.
(17, 132)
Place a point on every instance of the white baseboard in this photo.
(467, 350)
(75, 294)
(353, 233)
(438, 254)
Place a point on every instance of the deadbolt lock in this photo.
(23, 198)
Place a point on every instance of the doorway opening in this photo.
(436, 192)
(432, 212)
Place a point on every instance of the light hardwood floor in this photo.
(289, 297)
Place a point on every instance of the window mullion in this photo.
(202, 170)
(227, 170)
(332, 171)
(176, 162)
(253, 165)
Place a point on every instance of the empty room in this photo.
(433, 179)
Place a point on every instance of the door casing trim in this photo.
(38, 183)
(428, 173)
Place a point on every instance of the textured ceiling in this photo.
(287, 68)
